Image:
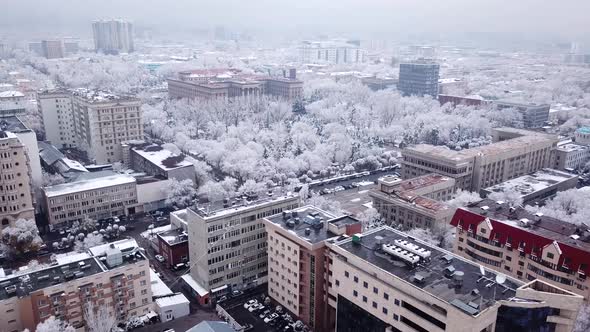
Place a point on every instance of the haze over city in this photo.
(294, 166)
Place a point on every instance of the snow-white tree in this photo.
(325, 204)
(22, 237)
(98, 318)
(463, 197)
(51, 179)
(53, 324)
(368, 217)
(570, 206)
(91, 240)
(251, 187)
(425, 235)
(180, 193)
(511, 197)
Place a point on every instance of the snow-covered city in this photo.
(327, 166)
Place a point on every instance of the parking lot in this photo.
(264, 318)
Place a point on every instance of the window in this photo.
(365, 299)
(365, 284)
(386, 296)
(384, 310)
(355, 293)
(375, 290)
(521, 263)
(374, 304)
(483, 230)
(550, 255)
(337, 282)
(396, 302)
(356, 279)
(395, 317)
(508, 258)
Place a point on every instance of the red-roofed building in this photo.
(524, 245)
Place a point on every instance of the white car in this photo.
(116, 220)
(270, 318)
(249, 304)
(254, 307)
(160, 258)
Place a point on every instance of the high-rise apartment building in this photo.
(515, 152)
(533, 115)
(419, 78)
(58, 118)
(103, 121)
(332, 51)
(113, 36)
(113, 279)
(52, 49)
(416, 202)
(384, 280)
(227, 246)
(16, 188)
(296, 264)
(525, 245)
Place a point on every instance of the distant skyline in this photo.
(524, 19)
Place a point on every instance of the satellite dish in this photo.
(500, 278)
(481, 269)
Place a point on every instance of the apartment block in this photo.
(113, 36)
(228, 246)
(533, 115)
(113, 277)
(12, 103)
(296, 267)
(212, 84)
(571, 156)
(537, 187)
(58, 117)
(52, 49)
(416, 202)
(524, 245)
(95, 195)
(384, 280)
(419, 78)
(16, 186)
(103, 121)
(156, 161)
(173, 246)
(514, 153)
(331, 51)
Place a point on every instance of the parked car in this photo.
(160, 258)
(179, 266)
(271, 317)
(249, 303)
(264, 314)
(116, 220)
(254, 307)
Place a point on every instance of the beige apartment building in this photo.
(16, 186)
(103, 121)
(227, 245)
(383, 280)
(95, 195)
(296, 264)
(524, 245)
(112, 277)
(515, 152)
(58, 118)
(415, 202)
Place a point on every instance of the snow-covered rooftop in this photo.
(89, 184)
(158, 287)
(97, 96)
(171, 300)
(71, 257)
(11, 94)
(201, 291)
(571, 147)
(161, 157)
(531, 183)
(123, 245)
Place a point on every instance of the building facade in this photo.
(58, 117)
(52, 49)
(94, 195)
(103, 121)
(533, 115)
(524, 245)
(571, 156)
(384, 280)
(114, 281)
(334, 52)
(514, 153)
(419, 78)
(173, 246)
(212, 84)
(156, 161)
(228, 246)
(415, 202)
(16, 187)
(12, 103)
(113, 36)
(582, 136)
(296, 263)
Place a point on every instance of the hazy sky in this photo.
(567, 19)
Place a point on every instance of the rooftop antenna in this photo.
(500, 279)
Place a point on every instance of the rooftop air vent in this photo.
(484, 209)
(458, 278)
(307, 231)
(524, 222)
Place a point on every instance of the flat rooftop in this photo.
(423, 181)
(217, 209)
(173, 236)
(88, 184)
(98, 96)
(412, 198)
(477, 292)
(309, 223)
(162, 158)
(13, 124)
(571, 147)
(534, 182)
(547, 227)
